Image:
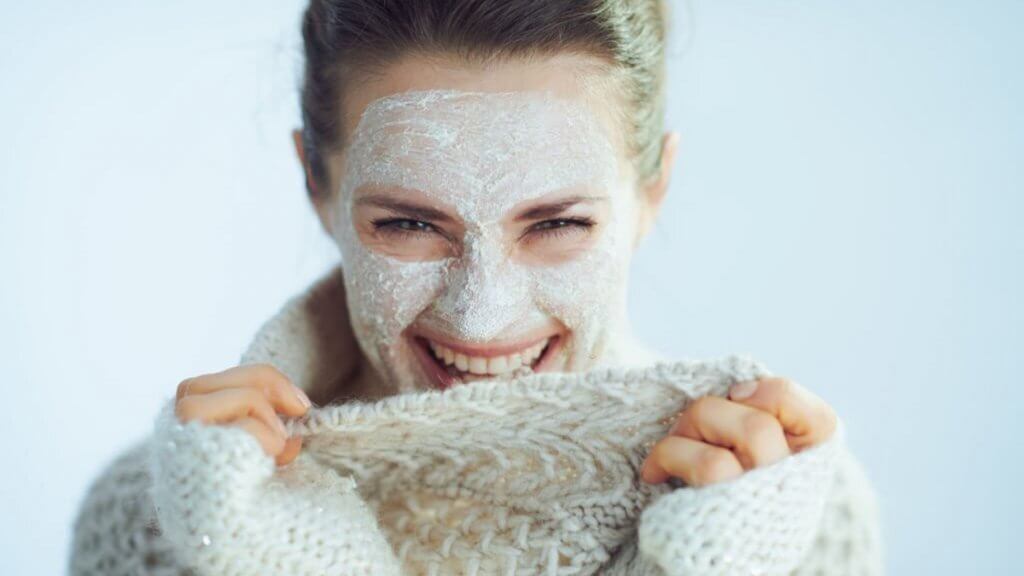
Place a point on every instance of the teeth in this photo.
(492, 365)
(497, 365)
(478, 365)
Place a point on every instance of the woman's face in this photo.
(486, 219)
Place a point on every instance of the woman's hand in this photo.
(718, 439)
(247, 396)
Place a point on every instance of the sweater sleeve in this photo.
(849, 539)
(763, 522)
(230, 511)
(115, 531)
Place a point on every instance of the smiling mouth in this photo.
(450, 366)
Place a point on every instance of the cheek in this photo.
(588, 292)
(386, 295)
(583, 293)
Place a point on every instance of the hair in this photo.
(345, 39)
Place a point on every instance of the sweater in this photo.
(535, 475)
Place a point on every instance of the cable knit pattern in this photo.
(219, 500)
(533, 476)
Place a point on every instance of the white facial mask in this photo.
(483, 153)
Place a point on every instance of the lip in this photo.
(486, 350)
(444, 380)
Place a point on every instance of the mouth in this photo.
(449, 365)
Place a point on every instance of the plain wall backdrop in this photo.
(845, 207)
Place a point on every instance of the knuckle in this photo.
(829, 421)
(183, 386)
(185, 408)
(258, 403)
(764, 441)
(268, 372)
(250, 396)
(760, 425)
(659, 449)
(713, 465)
(779, 386)
(832, 419)
(701, 408)
(271, 379)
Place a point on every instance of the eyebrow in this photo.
(408, 209)
(556, 208)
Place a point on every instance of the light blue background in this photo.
(846, 208)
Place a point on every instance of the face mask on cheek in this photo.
(482, 154)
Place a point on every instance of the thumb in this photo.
(292, 446)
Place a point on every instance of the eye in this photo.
(403, 227)
(559, 227)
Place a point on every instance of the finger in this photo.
(285, 396)
(272, 443)
(697, 463)
(230, 404)
(754, 435)
(806, 418)
(291, 449)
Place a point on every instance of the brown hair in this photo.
(344, 38)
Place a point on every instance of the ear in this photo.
(653, 190)
(300, 151)
(311, 186)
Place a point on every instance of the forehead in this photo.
(578, 77)
(532, 141)
(496, 121)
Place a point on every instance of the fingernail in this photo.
(743, 390)
(302, 397)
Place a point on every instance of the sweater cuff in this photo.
(230, 511)
(762, 522)
(201, 474)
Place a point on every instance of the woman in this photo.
(486, 169)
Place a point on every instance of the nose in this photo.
(485, 292)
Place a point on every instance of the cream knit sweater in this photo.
(533, 476)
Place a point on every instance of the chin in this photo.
(443, 362)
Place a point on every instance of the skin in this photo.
(714, 439)
(481, 219)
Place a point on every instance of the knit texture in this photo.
(534, 476)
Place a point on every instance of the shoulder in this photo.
(115, 530)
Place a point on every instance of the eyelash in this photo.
(394, 226)
(558, 227)
(554, 228)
